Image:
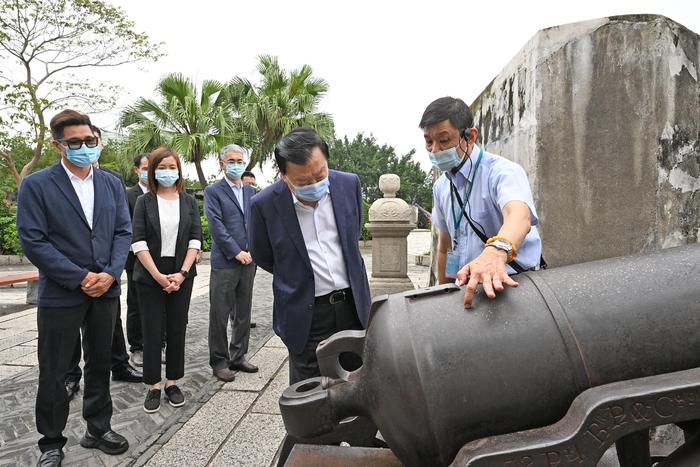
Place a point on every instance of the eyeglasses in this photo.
(76, 143)
(236, 163)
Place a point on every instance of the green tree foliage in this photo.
(9, 240)
(195, 122)
(281, 101)
(364, 157)
(44, 44)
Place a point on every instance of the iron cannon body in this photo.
(436, 377)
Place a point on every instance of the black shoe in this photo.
(253, 324)
(137, 358)
(152, 402)
(174, 396)
(109, 443)
(72, 388)
(127, 373)
(243, 365)
(50, 458)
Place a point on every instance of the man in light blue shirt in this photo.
(482, 205)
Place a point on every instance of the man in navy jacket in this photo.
(74, 226)
(305, 230)
(226, 204)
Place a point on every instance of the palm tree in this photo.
(196, 124)
(281, 102)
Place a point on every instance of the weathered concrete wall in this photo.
(604, 116)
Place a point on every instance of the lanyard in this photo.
(453, 192)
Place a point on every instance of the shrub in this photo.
(9, 239)
(206, 235)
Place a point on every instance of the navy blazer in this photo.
(227, 223)
(57, 239)
(277, 246)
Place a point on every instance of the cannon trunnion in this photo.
(436, 378)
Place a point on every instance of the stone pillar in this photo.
(389, 223)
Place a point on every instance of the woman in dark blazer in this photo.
(167, 237)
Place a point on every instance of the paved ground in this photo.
(233, 424)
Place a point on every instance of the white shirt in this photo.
(85, 189)
(498, 181)
(237, 190)
(322, 241)
(169, 214)
(143, 187)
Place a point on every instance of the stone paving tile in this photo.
(4, 319)
(268, 359)
(18, 338)
(198, 440)
(8, 371)
(30, 359)
(253, 443)
(268, 402)
(275, 341)
(13, 353)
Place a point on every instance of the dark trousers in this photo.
(133, 315)
(59, 329)
(230, 297)
(120, 358)
(176, 306)
(327, 320)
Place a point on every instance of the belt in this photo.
(337, 296)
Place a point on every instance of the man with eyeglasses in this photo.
(74, 226)
(226, 204)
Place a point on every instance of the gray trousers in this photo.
(230, 297)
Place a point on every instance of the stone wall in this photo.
(604, 116)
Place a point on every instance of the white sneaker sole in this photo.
(151, 410)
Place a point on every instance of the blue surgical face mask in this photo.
(445, 160)
(235, 170)
(83, 156)
(143, 177)
(312, 192)
(167, 177)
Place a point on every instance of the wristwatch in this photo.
(503, 245)
(184, 273)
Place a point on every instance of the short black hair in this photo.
(447, 108)
(138, 158)
(296, 147)
(66, 118)
(247, 173)
(96, 130)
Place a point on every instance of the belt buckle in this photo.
(341, 297)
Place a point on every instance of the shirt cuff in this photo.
(139, 246)
(194, 245)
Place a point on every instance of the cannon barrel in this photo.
(436, 376)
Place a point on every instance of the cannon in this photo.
(437, 378)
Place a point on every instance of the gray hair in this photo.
(233, 148)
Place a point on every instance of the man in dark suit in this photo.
(121, 368)
(133, 313)
(226, 204)
(74, 225)
(305, 229)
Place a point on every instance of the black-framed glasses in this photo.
(76, 143)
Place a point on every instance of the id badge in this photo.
(452, 267)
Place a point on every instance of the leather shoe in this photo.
(243, 365)
(109, 443)
(225, 375)
(51, 458)
(127, 373)
(72, 388)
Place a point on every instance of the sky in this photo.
(384, 61)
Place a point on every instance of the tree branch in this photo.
(11, 167)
